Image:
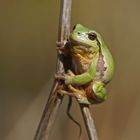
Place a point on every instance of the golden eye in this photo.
(92, 36)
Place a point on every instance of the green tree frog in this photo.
(92, 66)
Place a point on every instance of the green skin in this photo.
(90, 46)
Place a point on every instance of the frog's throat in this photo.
(82, 55)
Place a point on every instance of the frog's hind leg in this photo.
(100, 91)
(80, 94)
(77, 91)
(71, 91)
(63, 91)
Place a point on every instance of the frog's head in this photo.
(84, 36)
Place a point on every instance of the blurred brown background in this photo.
(28, 32)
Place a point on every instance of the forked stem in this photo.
(54, 101)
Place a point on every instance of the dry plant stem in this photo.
(89, 122)
(54, 102)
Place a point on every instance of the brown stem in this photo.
(89, 122)
(54, 102)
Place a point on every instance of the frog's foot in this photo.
(62, 91)
(100, 91)
(71, 91)
(80, 95)
(78, 92)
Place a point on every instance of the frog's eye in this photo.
(92, 36)
(74, 27)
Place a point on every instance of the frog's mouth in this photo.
(78, 43)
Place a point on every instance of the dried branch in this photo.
(89, 122)
(54, 102)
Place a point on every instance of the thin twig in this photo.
(54, 102)
(89, 122)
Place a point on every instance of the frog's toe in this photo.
(70, 73)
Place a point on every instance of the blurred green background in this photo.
(28, 32)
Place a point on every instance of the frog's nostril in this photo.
(79, 33)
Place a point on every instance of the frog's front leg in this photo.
(63, 91)
(64, 76)
(83, 78)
